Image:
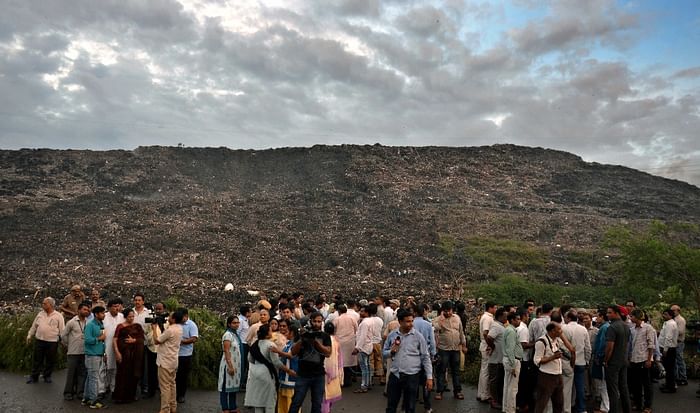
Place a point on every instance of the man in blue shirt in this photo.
(425, 328)
(94, 355)
(190, 334)
(409, 352)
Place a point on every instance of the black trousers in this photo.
(526, 385)
(640, 385)
(618, 392)
(184, 365)
(407, 386)
(669, 362)
(45, 353)
(496, 377)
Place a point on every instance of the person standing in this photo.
(73, 338)
(615, 362)
(345, 332)
(483, 394)
(312, 349)
(668, 342)
(333, 366)
(681, 375)
(578, 336)
(46, 330)
(141, 313)
(641, 360)
(598, 370)
(425, 328)
(151, 371)
(287, 376)
(230, 367)
(376, 328)
(512, 357)
(128, 346)
(95, 299)
(410, 354)
(363, 349)
(112, 319)
(95, 338)
(450, 339)
(69, 306)
(547, 357)
(168, 348)
(190, 334)
(244, 313)
(525, 401)
(495, 342)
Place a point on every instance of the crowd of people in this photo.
(112, 350)
(570, 360)
(278, 351)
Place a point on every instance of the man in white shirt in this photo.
(668, 341)
(108, 370)
(494, 340)
(547, 357)
(526, 380)
(482, 393)
(578, 336)
(681, 376)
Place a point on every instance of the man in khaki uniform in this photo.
(69, 307)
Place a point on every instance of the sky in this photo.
(614, 82)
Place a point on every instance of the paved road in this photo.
(18, 397)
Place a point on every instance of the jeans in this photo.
(580, 385)
(228, 400)
(448, 359)
(45, 353)
(427, 403)
(75, 375)
(680, 363)
(365, 369)
(405, 385)
(92, 365)
(302, 385)
(618, 393)
(640, 385)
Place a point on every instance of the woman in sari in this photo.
(231, 366)
(128, 346)
(261, 387)
(334, 371)
(286, 390)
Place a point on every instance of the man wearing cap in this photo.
(69, 307)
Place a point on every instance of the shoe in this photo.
(180, 399)
(97, 405)
(647, 410)
(428, 410)
(68, 397)
(32, 380)
(682, 382)
(438, 396)
(83, 402)
(361, 390)
(459, 396)
(47, 380)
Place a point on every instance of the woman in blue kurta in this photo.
(231, 366)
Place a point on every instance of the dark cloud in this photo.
(109, 74)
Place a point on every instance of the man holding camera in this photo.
(312, 350)
(410, 355)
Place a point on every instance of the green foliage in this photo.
(514, 289)
(498, 256)
(15, 353)
(658, 258)
(207, 349)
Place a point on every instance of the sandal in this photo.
(361, 390)
(459, 396)
(438, 396)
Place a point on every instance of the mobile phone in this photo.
(397, 341)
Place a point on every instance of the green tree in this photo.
(658, 257)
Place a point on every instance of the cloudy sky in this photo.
(612, 81)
